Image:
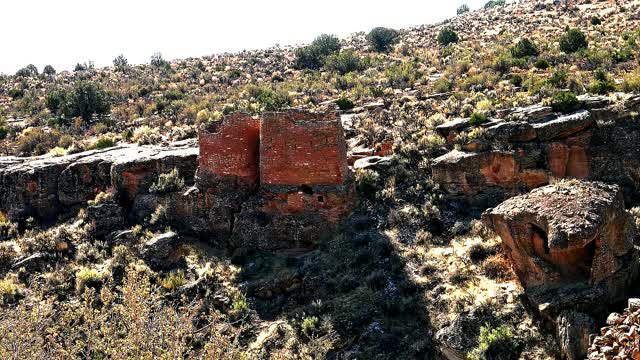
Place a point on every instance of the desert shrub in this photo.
(499, 343)
(631, 82)
(83, 99)
(309, 325)
(4, 130)
(595, 21)
(558, 79)
(402, 75)
(344, 104)
(542, 64)
(8, 229)
(524, 48)
(565, 102)
(442, 85)
(37, 141)
(168, 182)
(447, 36)
(9, 291)
(103, 142)
(120, 63)
(344, 62)
(49, 70)
(497, 267)
(503, 63)
(479, 252)
(15, 93)
(367, 181)
(313, 55)
(602, 83)
(382, 39)
(173, 281)
(494, 3)
(273, 100)
(8, 254)
(102, 198)
(477, 118)
(87, 277)
(463, 9)
(158, 62)
(573, 40)
(239, 304)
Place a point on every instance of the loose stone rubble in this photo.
(620, 338)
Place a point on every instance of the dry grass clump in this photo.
(497, 267)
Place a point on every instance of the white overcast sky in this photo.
(65, 32)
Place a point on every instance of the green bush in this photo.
(269, 99)
(402, 75)
(602, 84)
(84, 99)
(524, 48)
(120, 63)
(565, 102)
(167, 183)
(104, 142)
(542, 64)
(558, 79)
(367, 182)
(463, 9)
(16, 93)
(595, 21)
(477, 119)
(344, 104)
(494, 3)
(631, 82)
(49, 70)
(447, 36)
(37, 141)
(497, 343)
(313, 55)
(344, 62)
(157, 61)
(27, 71)
(573, 40)
(442, 85)
(382, 39)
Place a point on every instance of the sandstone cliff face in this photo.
(45, 187)
(524, 151)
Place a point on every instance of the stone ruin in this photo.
(278, 181)
(291, 167)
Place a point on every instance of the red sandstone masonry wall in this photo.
(300, 148)
(231, 148)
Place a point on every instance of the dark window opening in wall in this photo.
(306, 189)
(321, 199)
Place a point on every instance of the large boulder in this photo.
(567, 233)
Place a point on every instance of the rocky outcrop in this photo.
(44, 187)
(571, 246)
(529, 147)
(566, 233)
